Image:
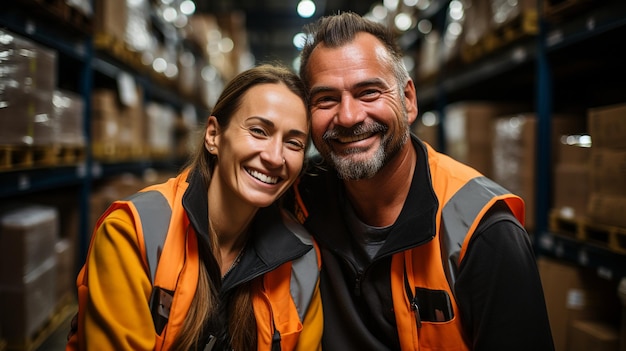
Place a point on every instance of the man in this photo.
(418, 250)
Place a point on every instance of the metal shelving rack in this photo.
(76, 45)
(538, 58)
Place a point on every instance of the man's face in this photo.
(360, 117)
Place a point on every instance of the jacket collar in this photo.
(324, 193)
(271, 242)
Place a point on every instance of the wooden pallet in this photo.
(609, 237)
(15, 157)
(66, 308)
(118, 49)
(523, 26)
(113, 152)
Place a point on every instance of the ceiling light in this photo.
(299, 40)
(403, 21)
(187, 7)
(306, 8)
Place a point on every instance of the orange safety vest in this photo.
(464, 197)
(171, 260)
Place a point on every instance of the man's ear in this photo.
(410, 97)
(211, 137)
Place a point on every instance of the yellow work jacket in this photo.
(149, 237)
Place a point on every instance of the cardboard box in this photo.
(515, 152)
(28, 305)
(607, 126)
(69, 115)
(468, 131)
(608, 171)
(588, 335)
(27, 238)
(27, 65)
(573, 152)
(571, 189)
(110, 18)
(574, 293)
(27, 117)
(607, 209)
(65, 252)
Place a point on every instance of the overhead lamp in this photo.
(306, 8)
(187, 7)
(299, 40)
(403, 21)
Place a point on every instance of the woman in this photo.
(233, 269)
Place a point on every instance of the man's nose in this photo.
(349, 113)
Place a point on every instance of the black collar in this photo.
(323, 193)
(271, 242)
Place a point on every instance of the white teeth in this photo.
(353, 138)
(262, 177)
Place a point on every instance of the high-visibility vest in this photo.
(464, 197)
(280, 298)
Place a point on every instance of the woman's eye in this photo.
(257, 131)
(296, 144)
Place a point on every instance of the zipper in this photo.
(413, 302)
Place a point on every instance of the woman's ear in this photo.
(211, 135)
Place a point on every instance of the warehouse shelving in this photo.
(571, 64)
(81, 67)
(543, 70)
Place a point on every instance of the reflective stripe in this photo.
(155, 214)
(303, 268)
(460, 212)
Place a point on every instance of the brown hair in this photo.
(340, 29)
(241, 321)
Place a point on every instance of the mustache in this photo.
(358, 129)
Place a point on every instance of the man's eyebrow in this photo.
(365, 83)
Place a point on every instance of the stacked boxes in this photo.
(68, 112)
(33, 112)
(469, 134)
(27, 81)
(515, 154)
(117, 129)
(574, 294)
(607, 127)
(28, 270)
(572, 176)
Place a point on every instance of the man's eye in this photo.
(325, 101)
(370, 94)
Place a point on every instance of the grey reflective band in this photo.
(460, 212)
(302, 269)
(155, 214)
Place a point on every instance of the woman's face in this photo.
(261, 152)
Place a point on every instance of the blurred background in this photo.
(100, 98)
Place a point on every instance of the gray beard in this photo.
(350, 169)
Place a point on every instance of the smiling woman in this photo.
(260, 152)
(208, 260)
